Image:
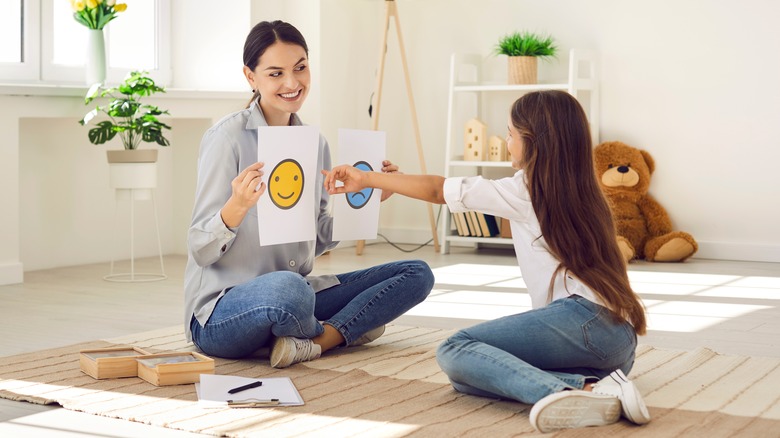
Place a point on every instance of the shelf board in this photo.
(463, 163)
(498, 240)
(507, 87)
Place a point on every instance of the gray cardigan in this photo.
(220, 257)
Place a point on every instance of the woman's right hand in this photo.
(247, 189)
(248, 186)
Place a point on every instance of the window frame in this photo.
(38, 40)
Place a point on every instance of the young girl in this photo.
(240, 296)
(569, 356)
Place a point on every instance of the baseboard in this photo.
(11, 273)
(738, 251)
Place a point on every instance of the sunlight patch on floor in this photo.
(459, 299)
(469, 274)
(705, 285)
(470, 304)
(483, 312)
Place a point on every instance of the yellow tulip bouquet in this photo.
(95, 14)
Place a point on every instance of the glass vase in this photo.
(96, 57)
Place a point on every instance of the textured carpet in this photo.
(393, 387)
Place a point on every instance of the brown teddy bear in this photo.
(644, 230)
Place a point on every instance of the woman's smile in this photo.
(292, 96)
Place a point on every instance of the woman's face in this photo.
(514, 144)
(282, 78)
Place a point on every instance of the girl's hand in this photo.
(354, 179)
(388, 167)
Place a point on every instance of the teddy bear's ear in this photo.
(648, 160)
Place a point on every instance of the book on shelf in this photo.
(475, 221)
(464, 224)
(506, 230)
(469, 224)
(488, 224)
(456, 222)
(475, 224)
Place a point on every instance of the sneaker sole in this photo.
(280, 354)
(568, 411)
(634, 408)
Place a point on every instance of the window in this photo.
(53, 52)
(11, 31)
(19, 60)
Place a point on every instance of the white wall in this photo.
(704, 108)
(695, 83)
(207, 44)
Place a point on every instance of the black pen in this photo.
(245, 387)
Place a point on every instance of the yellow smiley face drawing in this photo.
(285, 185)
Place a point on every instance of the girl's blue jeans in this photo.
(283, 303)
(528, 356)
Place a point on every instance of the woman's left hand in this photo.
(388, 167)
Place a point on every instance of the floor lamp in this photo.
(392, 11)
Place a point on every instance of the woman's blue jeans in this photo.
(527, 356)
(283, 303)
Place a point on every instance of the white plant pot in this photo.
(133, 173)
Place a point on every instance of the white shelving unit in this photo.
(466, 89)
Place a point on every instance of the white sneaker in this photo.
(288, 350)
(617, 384)
(369, 336)
(573, 409)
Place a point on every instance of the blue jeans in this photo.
(528, 356)
(283, 303)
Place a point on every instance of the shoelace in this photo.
(303, 349)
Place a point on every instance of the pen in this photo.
(252, 403)
(245, 387)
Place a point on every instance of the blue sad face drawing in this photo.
(358, 200)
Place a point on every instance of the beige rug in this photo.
(394, 388)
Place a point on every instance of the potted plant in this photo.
(523, 50)
(132, 121)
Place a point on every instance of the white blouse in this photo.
(509, 198)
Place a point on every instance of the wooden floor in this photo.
(730, 307)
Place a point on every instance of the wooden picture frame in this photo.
(109, 363)
(174, 368)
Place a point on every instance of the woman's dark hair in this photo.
(573, 212)
(263, 36)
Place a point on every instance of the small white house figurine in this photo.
(475, 141)
(497, 149)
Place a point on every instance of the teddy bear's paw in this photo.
(674, 250)
(625, 248)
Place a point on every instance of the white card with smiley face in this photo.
(356, 215)
(286, 211)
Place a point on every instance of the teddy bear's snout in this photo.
(620, 176)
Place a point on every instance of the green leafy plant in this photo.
(526, 44)
(133, 121)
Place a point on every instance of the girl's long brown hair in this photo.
(575, 219)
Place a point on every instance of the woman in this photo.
(570, 354)
(241, 297)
